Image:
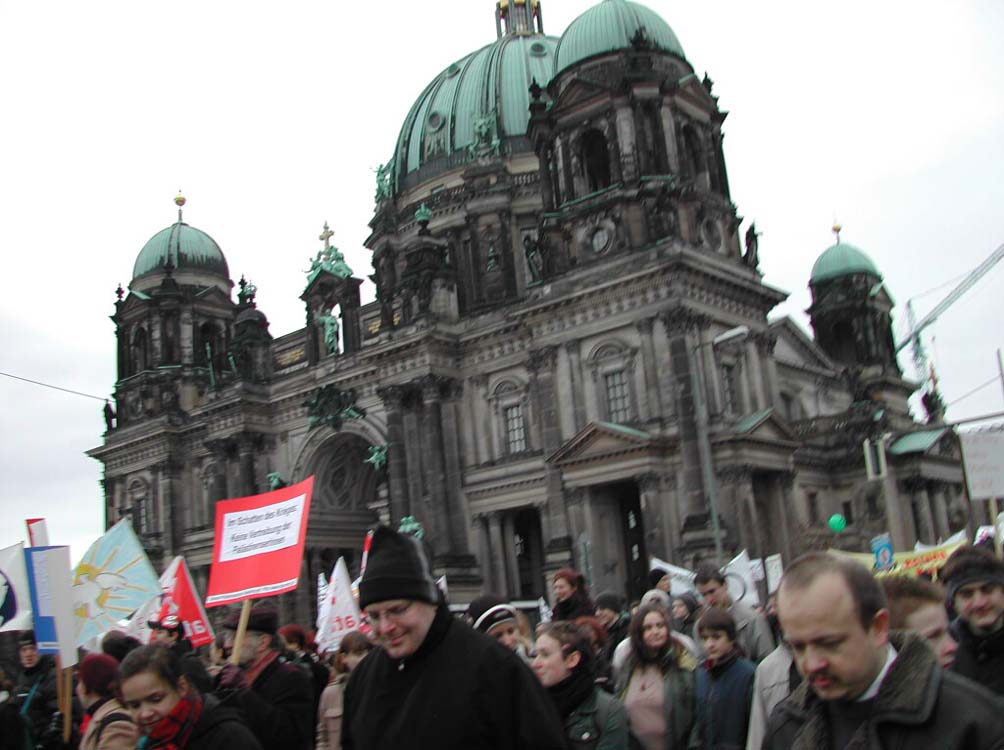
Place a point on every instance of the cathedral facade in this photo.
(568, 360)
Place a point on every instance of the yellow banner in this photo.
(927, 562)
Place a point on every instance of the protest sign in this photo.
(15, 596)
(181, 599)
(928, 562)
(322, 599)
(342, 614)
(38, 532)
(48, 572)
(681, 579)
(774, 569)
(112, 580)
(983, 461)
(739, 578)
(258, 548)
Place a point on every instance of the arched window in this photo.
(612, 366)
(595, 160)
(510, 405)
(692, 153)
(138, 351)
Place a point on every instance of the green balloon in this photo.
(837, 522)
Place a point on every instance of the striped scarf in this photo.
(174, 730)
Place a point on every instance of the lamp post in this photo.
(703, 431)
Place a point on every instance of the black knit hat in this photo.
(397, 568)
(656, 575)
(610, 600)
(970, 564)
(26, 638)
(490, 610)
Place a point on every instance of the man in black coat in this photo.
(974, 578)
(866, 688)
(275, 698)
(434, 682)
(36, 684)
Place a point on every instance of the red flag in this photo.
(181, 600)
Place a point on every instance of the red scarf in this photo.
(253, 672)
(175, 730)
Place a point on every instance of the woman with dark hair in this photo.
(658, 685)
(351, 651)
(686, 612)
(173, 715)
(563, 660)
(571, 597)
(106, 724)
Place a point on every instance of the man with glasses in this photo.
(433, 681)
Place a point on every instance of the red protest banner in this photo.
(181, 600)
(258, 549)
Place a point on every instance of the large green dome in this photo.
(842, 259)
(610, 26)
(492, 82)
(188, 249)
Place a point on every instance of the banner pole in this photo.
(68, 706)
(242, 628)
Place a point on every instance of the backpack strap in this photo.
(110, 719)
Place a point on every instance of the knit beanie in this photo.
(657, 597)
(26, 638)
(610, 600)
(656, 575)
(397, 568)
(490, 610)
(971, 565)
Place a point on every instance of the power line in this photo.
(994, 379)
(54, 387)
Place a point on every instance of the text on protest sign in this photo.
(258, 547)
(48, 570)
(983, 459)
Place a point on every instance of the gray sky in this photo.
(271, 117)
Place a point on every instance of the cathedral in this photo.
(568, 359)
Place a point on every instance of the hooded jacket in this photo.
(981, 659)
(460, 689)
(919, 705)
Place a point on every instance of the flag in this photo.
(113, 579)
(681, 579)
(342, 613)
(322, 600)
(543, 610)
(739, 577)
(48, 570)
(38, 532)
(181, 599)
(15, 596)
(136, 626)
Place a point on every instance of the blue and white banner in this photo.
(48, 570)
(15, 596)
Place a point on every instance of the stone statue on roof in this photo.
(383, 180)
(330, 333)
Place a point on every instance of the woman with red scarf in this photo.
(173, 715)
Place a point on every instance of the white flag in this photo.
(545, 611)
(681, 579)
(322, 599)
(136, 626)
(739, 577)
(15, 596)
(342, 615)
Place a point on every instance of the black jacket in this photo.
(980, 659)
(460, 689)
(192, 666)
(45, 701)
(221, 728)
(615, 634)
(918, 706)
(279, 707)
(724, 697)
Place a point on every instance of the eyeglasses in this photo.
(391, 614)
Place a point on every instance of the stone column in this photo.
(653, 404)
(669, 135)
(485, 551)
(219, 489)
(939, 502)
(393, 397)
(927, 532)
(626, 139)
(785, 505)
(247, 444)
(170, 526)
(497, 560)
(435, 464)
(452, 391)
(653, 512)
(756, 375)
(509, 553)
(572, 348)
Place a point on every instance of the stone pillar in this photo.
(393, 397)
(497, 560)
(509, 553)
(927, 532)
(900, 525)
(653, 404)
(669, 135)
(452, 391)
(218, 488)
(773, 382)
(572, 348)
(485, 551)
(170, 526)
(247, 444)
(785, 508)
(434, 461)
(756, 375)
(626, 139)
(939, 503)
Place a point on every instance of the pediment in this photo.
(796, 347)
(213, 294)
(764, 426)
(578, 92)
(602, 440)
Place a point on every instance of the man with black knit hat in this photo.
(974, 578)
(275, 698)
(434, 681)
(36, 685)
(494, 616)
(611, 614)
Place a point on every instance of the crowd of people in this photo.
(839, 659)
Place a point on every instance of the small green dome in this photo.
(492, 82)
(610, 26)
(842, 260)
(188, 248)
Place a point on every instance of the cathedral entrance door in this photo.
(633, 531)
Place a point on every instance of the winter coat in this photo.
(222, 728)
(12, 726)
(577, 605)
(45, 701)
(615, 634)
(980, 659)
(111, 728)
(329, 715)
(679, 698)
(919, 705)
(753, 633)
(583, 728)
(771, 685)
(460, 689)
(278, 708)
(724, 694)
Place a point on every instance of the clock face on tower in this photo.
(600, 240)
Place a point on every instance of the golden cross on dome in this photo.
(179, 201)
(836, 230)
(326, 236)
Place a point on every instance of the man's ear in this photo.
(880, 626)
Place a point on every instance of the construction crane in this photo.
(919, 355)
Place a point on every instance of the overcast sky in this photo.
(271, 117)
